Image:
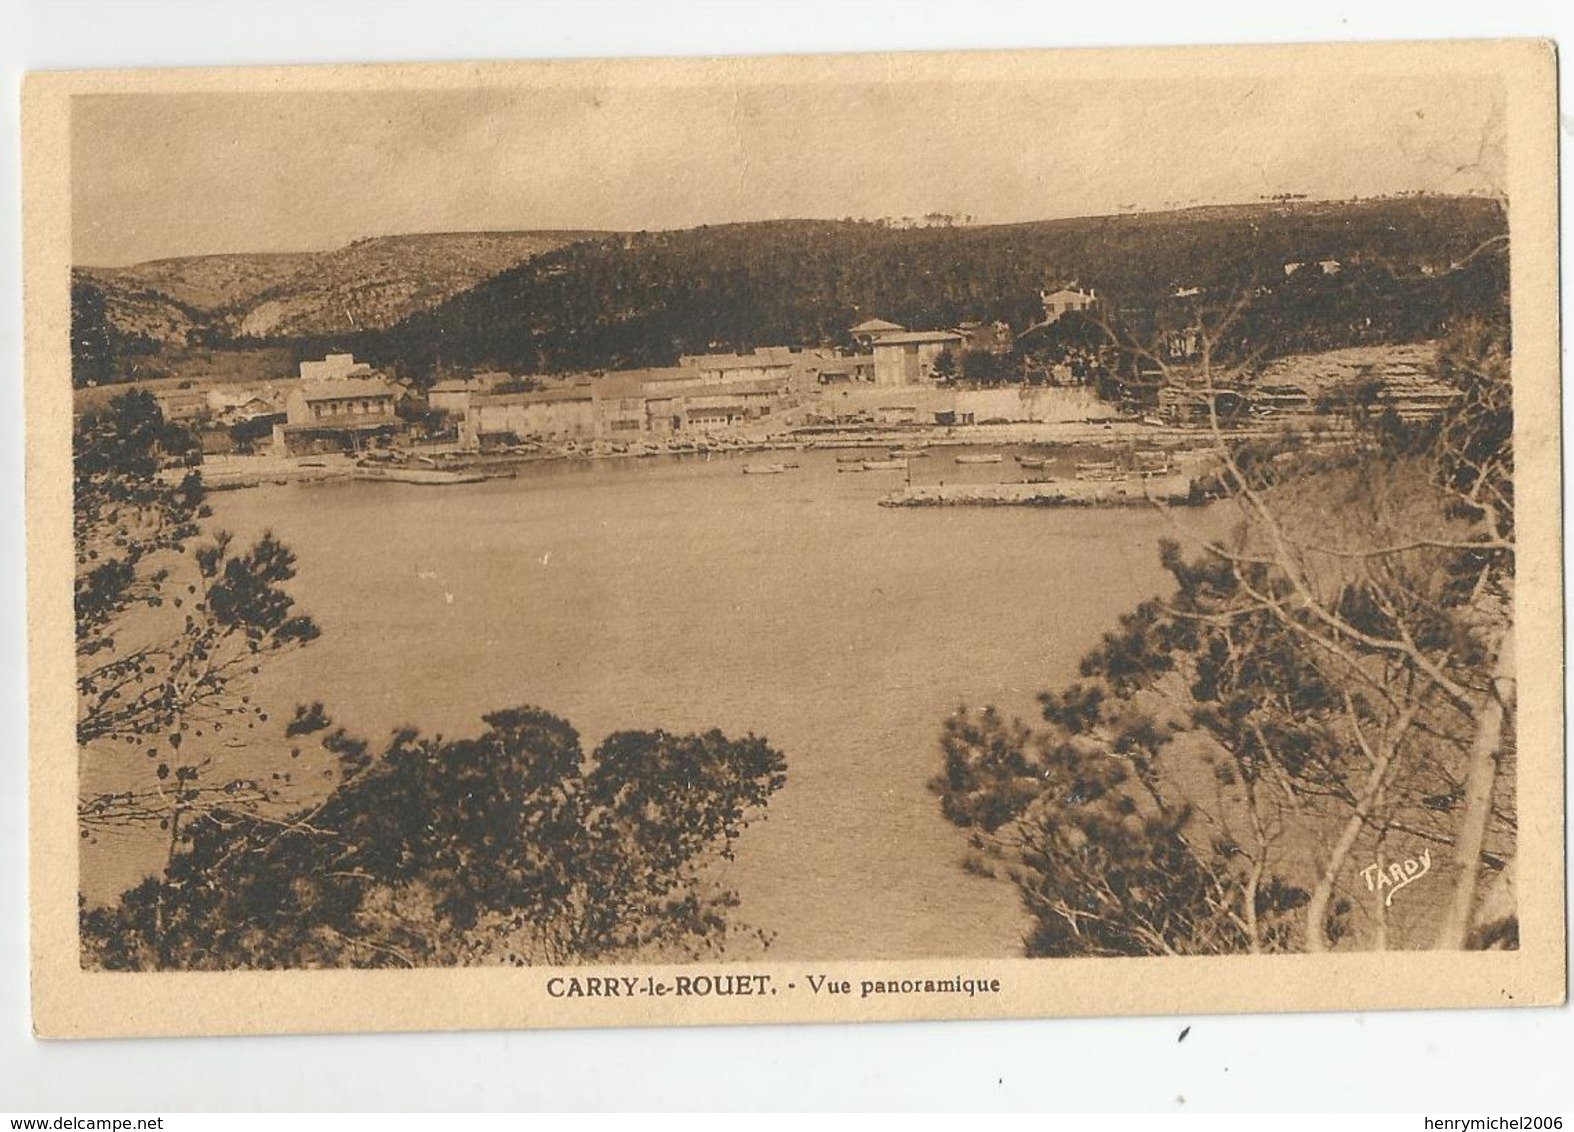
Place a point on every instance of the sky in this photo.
(161, 175)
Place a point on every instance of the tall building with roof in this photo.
(908, 357)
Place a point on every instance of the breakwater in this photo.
(1133, 491)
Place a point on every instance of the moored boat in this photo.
(885, 465)
(427, 476)
(1100, 470)
(981, 458)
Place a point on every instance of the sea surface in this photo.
(679, 593)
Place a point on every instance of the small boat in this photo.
(853, 458)
(764, 469)
(428, 477)
(849, 467)
(1102, 470)
(908, 453)
(981, 458)
(1032, 461)
(885, 465)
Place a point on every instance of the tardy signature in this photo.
(1396, 875)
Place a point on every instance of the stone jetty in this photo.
(1129, 491)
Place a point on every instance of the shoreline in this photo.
(229, 473)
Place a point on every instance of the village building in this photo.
(908, 358)
(232, 404)
(708, 410)
(1063, 300)
(453, 395)
(870, 331)
(352, 402)
(341, 413)
(184, 406)
(763, 364)
(836, 369)
(670, 400)
(495, 420)
(334, 367)
(620, 406)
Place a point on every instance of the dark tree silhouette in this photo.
(511, 847)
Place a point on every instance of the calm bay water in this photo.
(684, 595)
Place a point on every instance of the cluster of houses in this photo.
(894, 375)
(335, 403)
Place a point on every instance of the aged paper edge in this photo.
(69, 1002)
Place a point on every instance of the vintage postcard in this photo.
(756, 540)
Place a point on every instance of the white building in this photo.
(334, 367)
(1065, 300)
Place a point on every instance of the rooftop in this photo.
(341, 388)
(913, 337)
(773, 357)
(730, 389)
(632, 382)
(538, 397)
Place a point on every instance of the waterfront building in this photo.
(714, 408)
(763, 364)
(623, 399)
(908, 357)
(838, 369)
(499, 419)
(337, 414)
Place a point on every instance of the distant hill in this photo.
(147, 308)
(564, 301)
(644, 299)
(377, 282)
(205, 283)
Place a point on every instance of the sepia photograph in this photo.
(796, 538)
